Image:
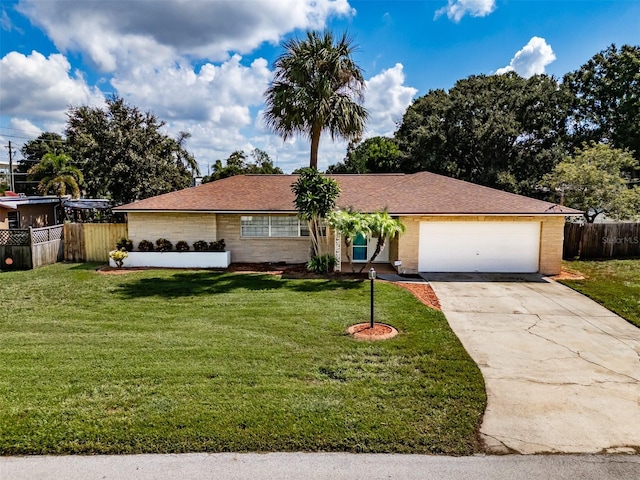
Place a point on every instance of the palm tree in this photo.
(382, 226)
(316, 87)
(57, 175)
(349, 224)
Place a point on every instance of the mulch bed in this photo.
(423, 292)
(380, 331)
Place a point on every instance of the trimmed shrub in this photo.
(182, 246)
(124, 244)
(217, 246)
(163, 245)
(145, 246)
(200, 246)
(118, 256)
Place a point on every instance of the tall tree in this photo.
(316, 197)
(374, 155)
(32, 153)
(607, 98)
(594, 180)
(502, 131)
(56, 175)
(123, 153)
(317, 87)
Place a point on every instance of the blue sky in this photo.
(202, 66)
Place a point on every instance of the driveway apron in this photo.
(562, 372)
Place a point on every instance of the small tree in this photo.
(316, 197)
(349, 224)
(594, 180)
(383, 226)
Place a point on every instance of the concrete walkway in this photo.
(562, 373)
(316, 466)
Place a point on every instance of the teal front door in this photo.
(360, 248)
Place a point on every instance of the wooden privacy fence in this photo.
(91, 242)
(24, 249)
(601, 240)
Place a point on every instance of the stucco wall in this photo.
(189, 227)
(259, 250)
(551, 238)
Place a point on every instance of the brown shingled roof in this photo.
(410, 194)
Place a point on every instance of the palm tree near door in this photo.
(57, 175)
(349, 224)
(382, 226)
(316, 87)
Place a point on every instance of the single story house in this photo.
(451, 225)
(20, 211)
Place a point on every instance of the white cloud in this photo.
(387, 99)
(220, 94)
(42, 87)
(25, 127)
(152, 32)
(531, 59)
(456, 9)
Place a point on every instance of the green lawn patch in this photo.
(185, 361)
(612, 283)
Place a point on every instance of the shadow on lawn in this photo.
(208, 283)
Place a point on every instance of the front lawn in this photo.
(613, 283)
(183, 361)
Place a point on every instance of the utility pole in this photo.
(10, 147)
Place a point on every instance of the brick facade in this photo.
(210, 226)
(189, 227)
(551, 238)
(250, 250)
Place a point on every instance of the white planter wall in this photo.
(176, 259)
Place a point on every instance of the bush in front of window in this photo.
(322, 264)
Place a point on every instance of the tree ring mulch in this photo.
(380, 331)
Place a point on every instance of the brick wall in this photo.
(551, 241)
(551, 238)
(189, 227)
(259, 250)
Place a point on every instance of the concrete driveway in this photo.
(562, 372)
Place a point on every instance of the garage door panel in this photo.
(479, 247)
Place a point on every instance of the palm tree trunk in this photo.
(315, 142)
(347, 244)
(379, 248)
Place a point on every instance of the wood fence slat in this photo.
(601, 240)
(91, 242)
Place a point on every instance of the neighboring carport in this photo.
(562, 373)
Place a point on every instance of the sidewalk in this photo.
(316, 466)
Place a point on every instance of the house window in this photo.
(273, 226)
(14, 219)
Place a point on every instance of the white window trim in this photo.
(300, 223)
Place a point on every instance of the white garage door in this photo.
(479, 247)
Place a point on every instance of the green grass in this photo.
(612, 283)
(166, 361)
